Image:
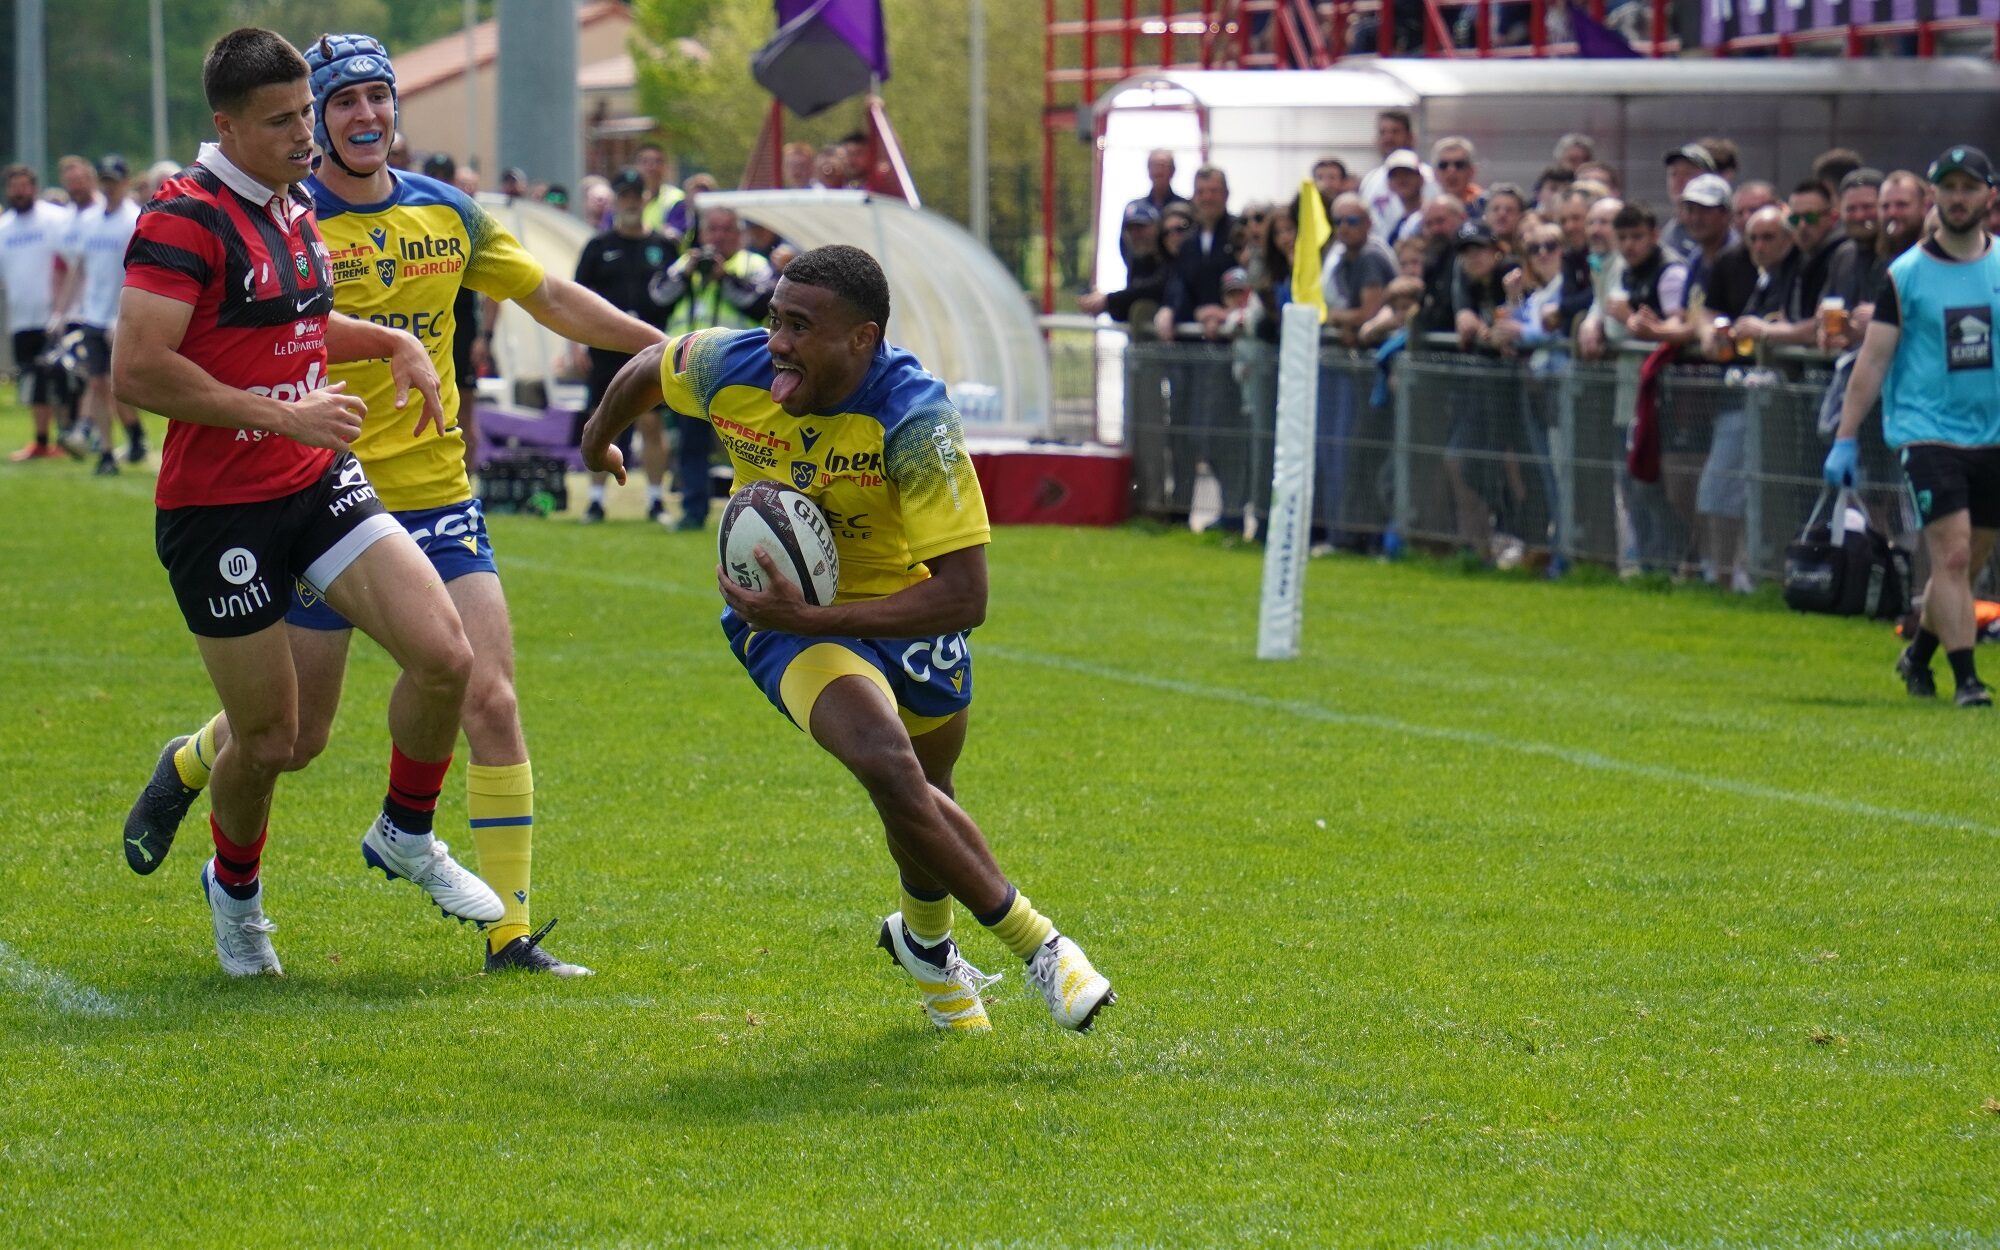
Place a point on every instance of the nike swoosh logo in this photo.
(613, 254)
(304, 304)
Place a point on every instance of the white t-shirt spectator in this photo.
(1382, 203)
(97, 241)
(29, 245)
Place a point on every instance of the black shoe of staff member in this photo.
(1916, 677)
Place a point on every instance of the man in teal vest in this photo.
(718, 283)
(1929, 355)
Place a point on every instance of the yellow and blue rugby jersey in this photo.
(400, 263)
(889, 468)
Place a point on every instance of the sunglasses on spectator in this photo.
(1179, 227)
(1543, 249)
(1350, 219)
(1454, 164)
(1803, 219)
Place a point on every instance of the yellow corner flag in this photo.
(1313, 235)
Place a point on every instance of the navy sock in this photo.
(991, 918)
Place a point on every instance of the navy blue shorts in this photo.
(928, 679)
(454, 537)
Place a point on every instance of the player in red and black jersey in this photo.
(226, 327)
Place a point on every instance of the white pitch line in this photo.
(53, 988)
(1495, 742)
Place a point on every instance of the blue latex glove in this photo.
(1839, 467)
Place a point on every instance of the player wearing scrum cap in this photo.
(882, 677)
(401, 246)
(1928, 354)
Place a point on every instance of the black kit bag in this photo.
(1840, 571)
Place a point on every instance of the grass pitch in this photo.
(1514, 914)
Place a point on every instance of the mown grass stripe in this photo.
(1496, 742)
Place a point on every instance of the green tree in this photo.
(100, 70)
(693, 58)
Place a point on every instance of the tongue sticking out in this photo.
(784, 384)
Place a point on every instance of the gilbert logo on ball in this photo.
(791, 529)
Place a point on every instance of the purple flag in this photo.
(825, 51)
(1594, 39)
(858, 23)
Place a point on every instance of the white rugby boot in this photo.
(1074, 990)
(429, 865)
(242, 934)
(951, 987)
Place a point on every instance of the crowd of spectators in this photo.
(658, 254)
(1702, 266)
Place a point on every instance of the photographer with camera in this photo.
(716, 283)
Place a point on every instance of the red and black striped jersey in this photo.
(260, 283)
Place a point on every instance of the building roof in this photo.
(443, 60)
(611, 74)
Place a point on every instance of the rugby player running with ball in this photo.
(882, 677)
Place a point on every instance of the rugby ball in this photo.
(792, 531)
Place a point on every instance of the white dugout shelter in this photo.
(951, 301)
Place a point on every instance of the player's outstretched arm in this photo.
(148, 371)
(581, 315)
(410, 368)
(951, 599)
(636, 389)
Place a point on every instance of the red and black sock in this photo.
(236, 866)
(414, 785)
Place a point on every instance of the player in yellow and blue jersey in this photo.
(882, 677)
(401, 246)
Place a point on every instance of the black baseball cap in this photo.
(1475, 234)
(113, 166)
(628, 179)
(1694, 154)
(1141, 213)
(1963, 159)
(440, 166)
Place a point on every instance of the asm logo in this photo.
(804, 474)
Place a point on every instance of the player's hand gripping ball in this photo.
(792, 531)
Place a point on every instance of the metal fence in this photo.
(1513, 460)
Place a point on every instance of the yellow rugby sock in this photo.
(196, 758)
(927, 919)
(1019, 926)
(500, 804)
